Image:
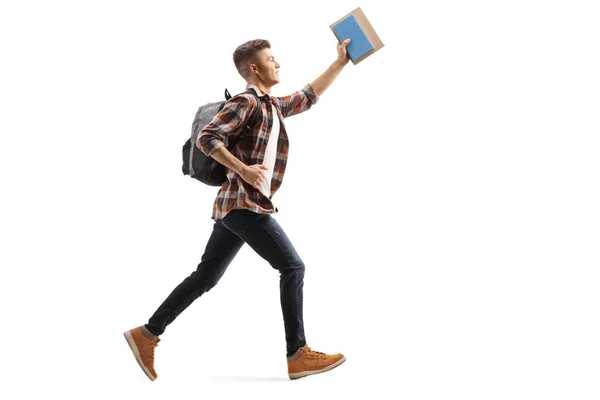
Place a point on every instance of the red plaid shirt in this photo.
(235, 193)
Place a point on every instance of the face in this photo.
(268, 68)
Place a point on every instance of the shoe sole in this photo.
(136, 354)
(297, 375)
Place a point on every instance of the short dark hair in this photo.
(246, 54)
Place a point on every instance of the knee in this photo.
(202, 280)
(296, 267)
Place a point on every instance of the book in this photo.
(364, 41)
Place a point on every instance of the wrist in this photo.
(241, 168)
(341, 62)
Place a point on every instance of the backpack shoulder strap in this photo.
(256, 112)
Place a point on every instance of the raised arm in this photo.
(326, 79)
(297, 102)
(303, 99)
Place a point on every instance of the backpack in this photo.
(198, 165)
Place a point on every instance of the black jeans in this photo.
(264, 234)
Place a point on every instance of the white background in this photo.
(443, 195)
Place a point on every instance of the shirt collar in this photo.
(255, 88)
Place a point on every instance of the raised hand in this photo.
(342, 53)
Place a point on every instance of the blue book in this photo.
(359, 44)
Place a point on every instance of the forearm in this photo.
(224, 156)
(326, 79)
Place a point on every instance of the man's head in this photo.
(255, 62)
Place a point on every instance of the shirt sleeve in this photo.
(297, 102)
(228, 123)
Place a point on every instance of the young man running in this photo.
(243, 207)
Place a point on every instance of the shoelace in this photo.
(314, 354)
(152, 347)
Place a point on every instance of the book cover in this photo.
(364, 41)
(359, 44)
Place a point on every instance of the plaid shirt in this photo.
(236, 193)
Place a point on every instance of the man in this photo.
(255, 170)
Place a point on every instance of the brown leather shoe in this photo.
(308, 362)
(142, 344)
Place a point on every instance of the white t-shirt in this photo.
(271, 154)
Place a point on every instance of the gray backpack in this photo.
(198, 165)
